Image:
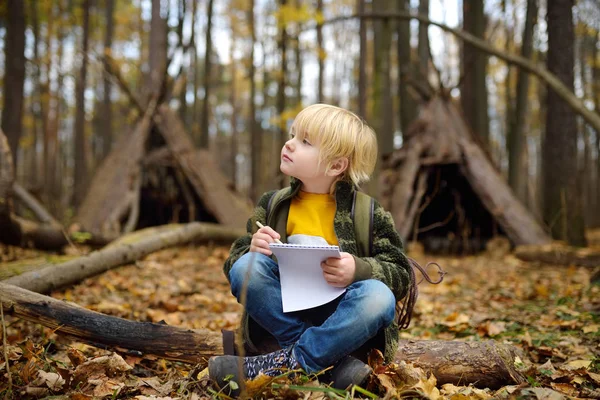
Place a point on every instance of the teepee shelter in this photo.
(155, 176)
(444, 191)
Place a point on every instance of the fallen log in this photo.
(73, 271)
(560, 254)
(483, 364)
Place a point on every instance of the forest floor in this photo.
(551, 312)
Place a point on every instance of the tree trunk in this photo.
(7, 178)
(596, 91)
(79, 146)
(407, 104)
(234, 112)
(255, 135)
(321, 54)
(76, 270)
(562, 202)
(14, 74)
(559, 254)
(106, 129)
(298, 60)
(517, 138)
(35, 99)
(282, 133)
(423, 46)
(483, 364)
(362, 62)
(474, 62)
(157, 54)
(204, 115)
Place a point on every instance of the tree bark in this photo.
(596, 91)
(473, 94)
(74, 271)
(362, 61)
(517, 137)
(407, 104)
(14, 75)
(483, 364)
(321, 55)
(281, 84)
(559, 254)
(107, 136)
(423, 46)
(157, 53)
(255, 135)
(79, 146)
(562, 202)
(204, 115)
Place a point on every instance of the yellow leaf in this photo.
(590, 328)
(577, 364)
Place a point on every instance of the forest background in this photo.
(78, 74)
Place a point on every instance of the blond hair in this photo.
(339, 133)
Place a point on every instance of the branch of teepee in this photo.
(541, 72)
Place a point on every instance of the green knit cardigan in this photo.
(387, 262)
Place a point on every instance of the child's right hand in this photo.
(262, 238)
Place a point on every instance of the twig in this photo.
(5, 347)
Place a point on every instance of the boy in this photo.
(329, 153)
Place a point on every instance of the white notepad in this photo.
(302, 283)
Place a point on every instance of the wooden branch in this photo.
(561, 254)
(34, 205)
(74, 271)
(102, 330)
(591, 117)
(483, 364)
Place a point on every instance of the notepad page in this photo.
(302, 283)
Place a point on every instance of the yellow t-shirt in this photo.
(312, 214)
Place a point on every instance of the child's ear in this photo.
(338, 166)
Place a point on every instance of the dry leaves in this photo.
(551, 312)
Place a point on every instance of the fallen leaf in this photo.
(591, 328)
(576, 364)
(565, 388)
(53, 380)
(428, 387)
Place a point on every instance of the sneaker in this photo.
(271, 364)
(349, 371)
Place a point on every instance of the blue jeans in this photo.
(320, 336)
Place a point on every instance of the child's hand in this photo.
(262, 238)
(339, 272)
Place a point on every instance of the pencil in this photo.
(262, 226)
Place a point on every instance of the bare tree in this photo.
(473, 91)
(280, 103)
(320, 53)
(14, 75)
(423, 49)
(517, 137)
(79, 146)
(362, 60)
(106, 120)
(255, 136)
(562, 202)
(405, 65)
(204, 115)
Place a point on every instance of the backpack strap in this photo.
(275, 199)
(363, 206)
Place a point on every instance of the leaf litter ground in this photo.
(551, 312)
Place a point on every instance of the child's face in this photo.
(300, 159)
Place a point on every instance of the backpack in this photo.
(363, 207)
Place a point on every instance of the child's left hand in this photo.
(339, 272)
